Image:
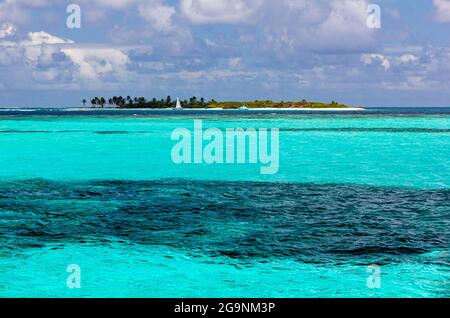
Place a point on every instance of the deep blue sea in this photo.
(100, 190)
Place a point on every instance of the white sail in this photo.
(178, 104)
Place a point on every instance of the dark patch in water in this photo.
(118, 132)
(312, 223)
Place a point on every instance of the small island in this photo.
(119, 102)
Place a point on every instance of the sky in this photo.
(319, 50)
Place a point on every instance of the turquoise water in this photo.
(102, 192)
(376, 151)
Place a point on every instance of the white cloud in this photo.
(159, 15)
(211, 43)
(31, 3)
(407, 58)
(220, 11)
(286, 26)
(212, 75)
(442, 10)
(41, 37)
(47, 59)
(35, 42)
(18, 11)
(48, 75)
(317, 25)
(112, 4)
(10, 54)
(380, 58)
(7, 29)
(234, 62)
(98, 63)
(10, 11)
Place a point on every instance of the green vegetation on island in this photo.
(272, 104)
(194, 102)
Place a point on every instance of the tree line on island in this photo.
(141, 102)
(194, 102)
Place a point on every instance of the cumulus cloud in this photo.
(98, 63)
(442, 10)
(407, 58)
(283, 25)
(328, 26)
(37, 45)
(41, 37)
(290, 26)
(410, 68)
(111, 4)
(220, 11)
(11, 12)
(380, 58)
(7, 29)
(157, 14)
(48, 59)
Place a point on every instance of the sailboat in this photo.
(243, 107)
(178, 107)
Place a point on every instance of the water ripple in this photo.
(309, 222)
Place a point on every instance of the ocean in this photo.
(357, 194)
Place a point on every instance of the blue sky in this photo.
(319, 50)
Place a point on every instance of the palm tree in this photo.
(97, 101)
(84, 101)
(94, 102)
(120, 101)
(102, 102)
